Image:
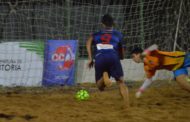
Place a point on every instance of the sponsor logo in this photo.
(10, 65)
(64, 55)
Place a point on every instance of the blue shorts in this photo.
(183, 69)
(110, 63)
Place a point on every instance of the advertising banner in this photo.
(59, 62)
(21, 63)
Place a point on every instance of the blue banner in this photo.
(59, 62)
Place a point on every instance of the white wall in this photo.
(132, 72)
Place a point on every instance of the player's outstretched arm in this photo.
(89, 51)
(149, 49)
(144, 86)
(121, 52)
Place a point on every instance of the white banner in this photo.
(19, 66)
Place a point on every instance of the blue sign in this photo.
(59, 62)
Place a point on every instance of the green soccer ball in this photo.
(82, 95)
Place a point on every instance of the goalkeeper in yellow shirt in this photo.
(155, 59)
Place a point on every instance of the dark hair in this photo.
(137, 50)
(107, 20)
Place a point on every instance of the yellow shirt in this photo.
(162, 60)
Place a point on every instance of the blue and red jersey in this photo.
(107, 44)
(107, 41)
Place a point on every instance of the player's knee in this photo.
(183, 82)
(181, 77)
(119, 80)
(101, 88)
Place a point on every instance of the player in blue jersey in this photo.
(108, 50)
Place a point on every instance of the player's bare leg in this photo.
(100, 84)
(184, 82)
(123, 91)
(106, 79)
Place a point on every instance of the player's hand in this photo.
(90, 64)
(138, 94)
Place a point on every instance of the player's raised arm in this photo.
(140, 56)
(149, 49)
(89, 51)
